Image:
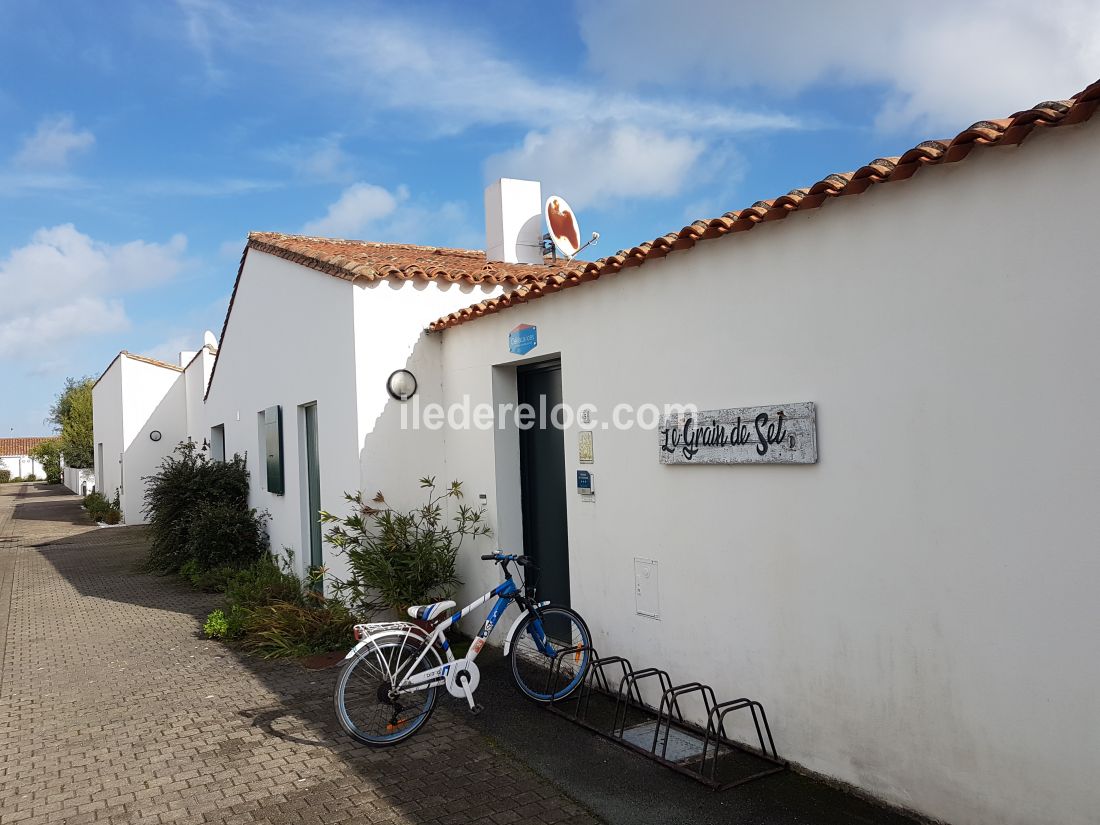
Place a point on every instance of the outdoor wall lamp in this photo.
(401, 385)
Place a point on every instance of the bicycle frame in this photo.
(506, 592)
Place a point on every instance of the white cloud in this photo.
(323, 160)
(53, 143)
(444, 79)
(942, 65)
(64, 285)
(593, 164)
(365, 211)
(358, 207)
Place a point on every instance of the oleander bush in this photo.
(5, 476)
(198, 511)
(112, 516)
(32, 477)
(401, 558)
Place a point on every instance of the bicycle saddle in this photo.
(426, 612)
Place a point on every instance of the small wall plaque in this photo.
(584, 446)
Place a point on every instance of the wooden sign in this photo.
(777, 434)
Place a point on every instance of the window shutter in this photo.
(273, 442)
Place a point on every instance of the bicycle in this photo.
(388, 685)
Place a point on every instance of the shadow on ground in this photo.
(438, 773)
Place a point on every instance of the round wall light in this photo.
(155, 435)
(401, 385)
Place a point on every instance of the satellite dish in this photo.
(209, 340)
(562, 225)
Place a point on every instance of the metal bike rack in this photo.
(706, 754)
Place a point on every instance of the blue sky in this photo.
(140, 142)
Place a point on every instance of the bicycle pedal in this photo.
(476, 710)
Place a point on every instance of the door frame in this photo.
(550, 364)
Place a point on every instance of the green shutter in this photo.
(273, 442)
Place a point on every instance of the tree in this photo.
(71, 413)
(48, 454)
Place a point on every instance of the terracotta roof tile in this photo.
(353, 261)
(1006, 131)
(135, 357)
(22, 446)
(365, 260)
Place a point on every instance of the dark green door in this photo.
(542, 478)
(313, 487)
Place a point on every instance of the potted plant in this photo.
(402, 558)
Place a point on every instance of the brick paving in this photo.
(114, 709)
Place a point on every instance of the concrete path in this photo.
(114, 709)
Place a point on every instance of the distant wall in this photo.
(21, 466)
(78, 480)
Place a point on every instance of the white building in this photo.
(917, 608)
(15, 457)
(142, 408)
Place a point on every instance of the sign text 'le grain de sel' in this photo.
(776, 434)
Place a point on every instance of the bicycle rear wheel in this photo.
(365, 705)
(540, 637)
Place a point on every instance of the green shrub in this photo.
(112, 516)
(262, 583)
(216, 625)
(32, 477)
(198, 509)
(48, 454)
(399, 558)
(283, 629)
(222, 534)
(213, 580)
(273, 613)
(17, 479)
(96, 505)
(5, 476)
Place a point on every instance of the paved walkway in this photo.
(113, 708)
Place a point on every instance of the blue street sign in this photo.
(523, 339)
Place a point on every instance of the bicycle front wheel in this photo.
(367, 706)
(550, 653)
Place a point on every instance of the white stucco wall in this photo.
(196, 377)
(78, 480)
(918, 610)
(107, 429)
(131, 399)
(391, 317)
(21, 466)
(155, 400)
(290, 341)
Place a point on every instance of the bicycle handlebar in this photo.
(502, 557)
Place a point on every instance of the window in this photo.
(271, 446)
(217, 442)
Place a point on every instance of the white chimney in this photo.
(513, 221)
